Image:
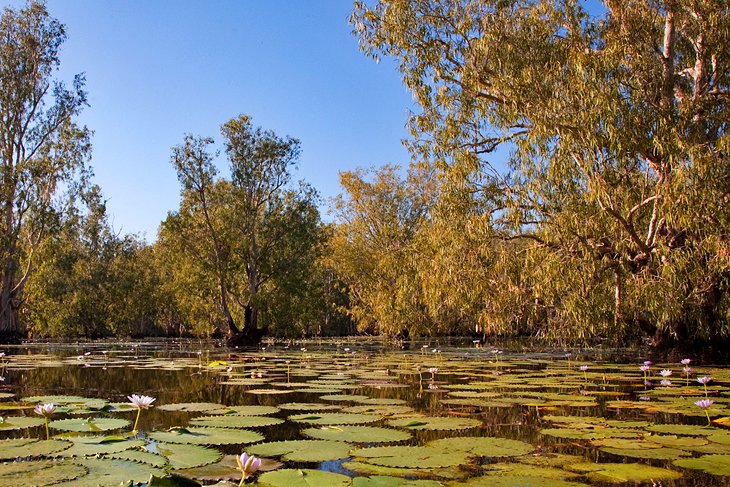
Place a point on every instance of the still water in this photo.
(360, 413)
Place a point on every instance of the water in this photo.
(565, 423)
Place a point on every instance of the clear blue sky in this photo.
(156, 70)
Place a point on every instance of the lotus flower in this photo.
(247, 465)
(45, 410)
(704, 404)
(704, 381)
(140, 402)
(665, 373)
(686, 361)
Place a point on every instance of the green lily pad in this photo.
(649, 453)
(357, 434)
(386, 481)
(19, 422)
(112, 472)
(89, 425)
(308, 406)
(192, 407)
(483, 446)
(623, 472)
(250, 410)
(392, 410)
(303, 478)
(303, 450)
(517, 481)
(206, 436)
(28, 447)
(96, 445)
(343, 398)
(140, 456)
(334, 418)
(235, 421)
(713, 464)
(187, 456)
(412, 456)
(39, 472)
(435, 423)
(225, 469)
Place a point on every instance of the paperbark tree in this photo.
(42, 152)
(616, 125)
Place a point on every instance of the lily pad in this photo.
(435, 423)
(192, 407)
(249, 410)
(39, 472)
(235, 421)
(112, 472)
(624, 472)
(19, 422)
(484, 446)
(303, 478)
(140, 456)
(334, 418)
(386, 481)
(206, 436)
(28, 447)
(89, 425)
(187, 456)
(97, 445)
(411, 456)
(303, 450)
(357, 434)
(713, 464)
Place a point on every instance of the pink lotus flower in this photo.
(45, 409)
(704, 404)
(247, 465)
(140, 402)
(686, 361)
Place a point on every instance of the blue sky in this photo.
(156, 70)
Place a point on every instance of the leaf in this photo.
(357, 434)
(623, 472)
(713, 464)
(303, 450)
(334, 418)
(112, 472)
(411, 456)
(28, 447)
(303, 478)
(483, 446)
(436, 423)
(183, 456)
(89, 425)
(39, 473)
(207, 436)
(235, 421)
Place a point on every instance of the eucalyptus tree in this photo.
(374, 252)
(249, 241)
(615, 121)
(42, 151)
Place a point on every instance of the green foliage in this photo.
(247, 248)
(610, 214)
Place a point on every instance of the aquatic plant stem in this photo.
(48, 435)
(134, 430)
(709, 423)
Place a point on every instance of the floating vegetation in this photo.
(371, 419)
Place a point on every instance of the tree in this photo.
(374, 249)
(252, 239)
(261, 164)
(616, 128)
(42, 152)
